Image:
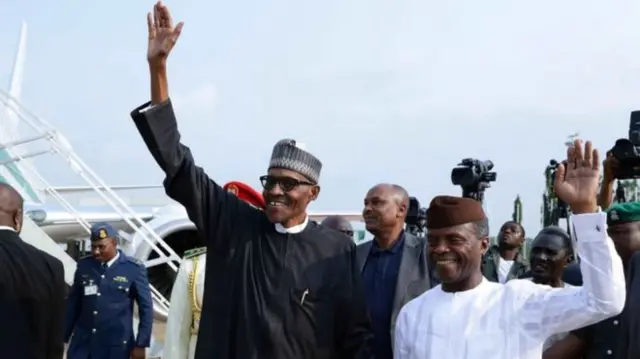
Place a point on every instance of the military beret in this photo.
(449, 211)
(246, 193)
(623, 212)
(100, 231)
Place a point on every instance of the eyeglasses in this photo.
(286, 183)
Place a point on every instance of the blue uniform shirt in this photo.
(100, 309)
(380, 276)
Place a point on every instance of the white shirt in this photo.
(113, 260)
(504, 267)
(179, 342)
(512, 320)
(292, 230)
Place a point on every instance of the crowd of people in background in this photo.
(271, 283)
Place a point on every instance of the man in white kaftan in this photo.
(183, 323)
(468, 317)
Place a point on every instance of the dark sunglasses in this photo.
(286, 183)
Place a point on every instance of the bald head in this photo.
(394, 192)
(10, 199)
(385, 209)
(338, 223)
(401, 194)
(11, 204)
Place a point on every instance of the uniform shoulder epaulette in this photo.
(83, 258)
(133, 260)
(194, 252)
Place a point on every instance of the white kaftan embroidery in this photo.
(179, 342)
(512, 320)
(558, 336)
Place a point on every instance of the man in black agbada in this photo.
(277, 285)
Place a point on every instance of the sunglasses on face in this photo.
(286, 183)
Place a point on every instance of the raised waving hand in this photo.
(577, 180)
(162, 34)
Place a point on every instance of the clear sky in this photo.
(381, 91)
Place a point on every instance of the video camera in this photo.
(561, 209)
(474, 177)
(553, 208)
(416, 219)
(627, 151)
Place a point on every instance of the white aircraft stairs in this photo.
(46, 141)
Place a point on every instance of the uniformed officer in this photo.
(100, 304)
(181, 332)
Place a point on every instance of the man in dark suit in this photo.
(100, 305)
(572, 274)
(394, 265)
(629, 344)
(32, 290)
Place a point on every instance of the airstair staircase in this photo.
(45, 140)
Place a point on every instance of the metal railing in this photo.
(57, 144)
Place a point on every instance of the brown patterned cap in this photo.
(449, 211)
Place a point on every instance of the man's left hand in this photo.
(138, 353)
(576, 181)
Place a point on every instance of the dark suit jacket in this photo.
(629, 342)
(413, 277)
(572, 274)
(628, 346)
(32, 290)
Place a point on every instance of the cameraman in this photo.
(610, 166)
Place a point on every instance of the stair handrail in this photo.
(77, 165)
(72, 158)
(158, 297)
(65, 204)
